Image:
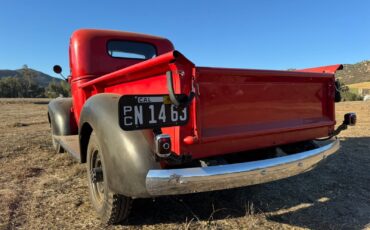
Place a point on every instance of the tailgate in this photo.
(239, 103)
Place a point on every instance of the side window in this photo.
(131, 50)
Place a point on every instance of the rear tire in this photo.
(112, 208)
(56, 145)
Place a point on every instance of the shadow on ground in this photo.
(334, 195)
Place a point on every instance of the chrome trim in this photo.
(191, 180)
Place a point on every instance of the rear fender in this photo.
(127, 155)
(61, 117)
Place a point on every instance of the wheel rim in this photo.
(97, 185)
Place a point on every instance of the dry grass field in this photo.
(365, 85)
(42, 190)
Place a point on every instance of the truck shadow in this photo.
(334, 195)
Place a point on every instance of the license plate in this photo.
(150, 111)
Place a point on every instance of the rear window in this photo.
(131, 50)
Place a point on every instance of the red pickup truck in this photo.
(148, 122)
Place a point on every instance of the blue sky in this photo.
(245, 34)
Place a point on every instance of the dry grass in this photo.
(362, 85)
(42, 190)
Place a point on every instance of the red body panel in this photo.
(234, 110)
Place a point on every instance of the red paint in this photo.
(324, 69)
(235, 109)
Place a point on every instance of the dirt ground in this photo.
(43, 190)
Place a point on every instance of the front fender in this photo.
(61, 118)
(128, 155)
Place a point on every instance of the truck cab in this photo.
(148, 122)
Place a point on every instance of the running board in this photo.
(70, 144)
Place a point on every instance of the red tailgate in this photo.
(239, 109)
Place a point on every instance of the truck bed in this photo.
(234, 109)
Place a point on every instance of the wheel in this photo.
(56, 145)
(112, 208)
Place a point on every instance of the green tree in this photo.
(11, 87)
(347, 94)
(56, 89)
(28, 75)
(31, 88)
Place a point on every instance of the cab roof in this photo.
(89, 55)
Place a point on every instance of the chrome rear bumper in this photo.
(190, 180)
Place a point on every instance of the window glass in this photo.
(130, 49)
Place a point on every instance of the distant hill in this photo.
(30, 83)
(40, 78)
(354, 73)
